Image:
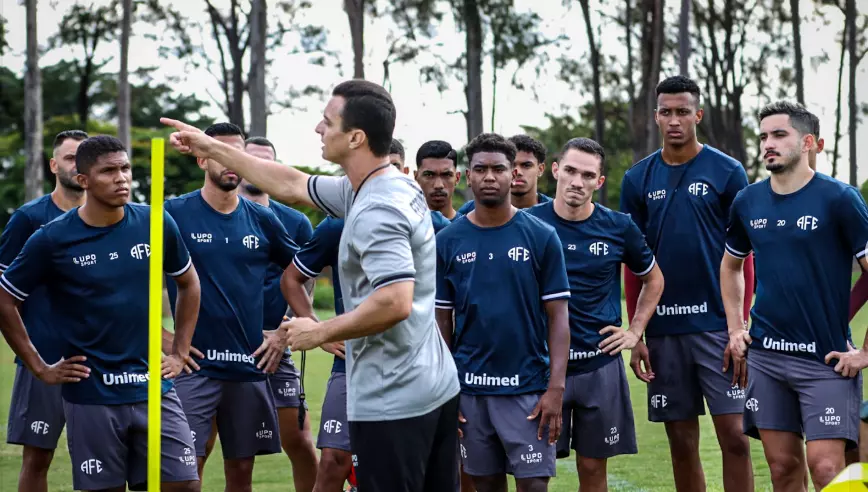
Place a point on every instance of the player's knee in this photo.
(191, 486)
(824, 469)
(36, 461)
(683, 439)
(335, 463)
(536, 484)
(733, 442)
(785, 468)
(591, 469)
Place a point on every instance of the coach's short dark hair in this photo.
(800, 118)
(65, 135)
(679, 84)
(815, 126)
(436, 149)
(526, 143)
(368, 107)
(396, 148)
(588, 146)
(224, 129)
(91, 149)
(261, 141)
(491, 142)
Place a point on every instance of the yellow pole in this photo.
(155, 314)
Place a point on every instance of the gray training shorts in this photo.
(285, 384)
(598, 415)
(686, 369)
(108, 444)
(35, 413)
(335, 433)
(498, 437)
(245, 410)
(806, 397)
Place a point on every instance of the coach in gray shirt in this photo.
(402, 401)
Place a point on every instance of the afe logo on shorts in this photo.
(91, 466)
(39, 427)
(463, 451)
(752, 405)
(658, 401)
(332, 426)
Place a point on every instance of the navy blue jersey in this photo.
(594, 249)
(683, 210)
(39, 319)
(317, 254)
(298, 226)
(439, 221)
(97, 282)
(232, 254)
(804, 244)
(471, 205)
(501, 332)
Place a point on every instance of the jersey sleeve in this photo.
(381, 235)
(737, 182)
(554, 284)
(30, 268)
(638, 256)
(176, 257)
(632, 203)
(445, 297)
(282, 248)
(330, 193)
(466, 208)
(737, 240)
(321, 250)
(853, 221)
(303, 232)
(12, 240)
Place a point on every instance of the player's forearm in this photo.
(292, 285)
(186, 315)
(282, 182)
(632, 285)
(559, 342)
(748, 286)
(445, 324)
(649, 296)
(16, 335)
(732, 292)
(383, 309)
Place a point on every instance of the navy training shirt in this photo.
(500, 341)
(39, 318)
(804, 244)
(97, 282)
(471, 205)
(594, 249)
(439, 221)
(232, 254)
(683, 211)
(298, 226)
(317, 254)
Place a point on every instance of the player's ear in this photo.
(81, 179)
(699, 114)
(808, 142)
(457, 176)
(202, 163)
(52, 164)
(542, 169)
(821, 144)
(555, 170)
(600, 181)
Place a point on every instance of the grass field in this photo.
(650, 470)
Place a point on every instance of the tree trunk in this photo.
(33, 174)
(852, 107)
(684, 38)
(631, 85)
(124, 78)
(797, 46)
(841, 63)
(473, 90)
(83, 98)
(599, 117)
(645, 134)
(256, 78)
(356, 14)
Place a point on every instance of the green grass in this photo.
(650, 470)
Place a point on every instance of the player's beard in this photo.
(574, 201)
(222, 181)
(252, 189)
(784, 163)
(67, 180)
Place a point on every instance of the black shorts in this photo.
(418, 454)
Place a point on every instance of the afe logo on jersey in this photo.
(140, 251)
(250, 242)
(698, 189)
(599, 248)
(806, 221)
(519, 254)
